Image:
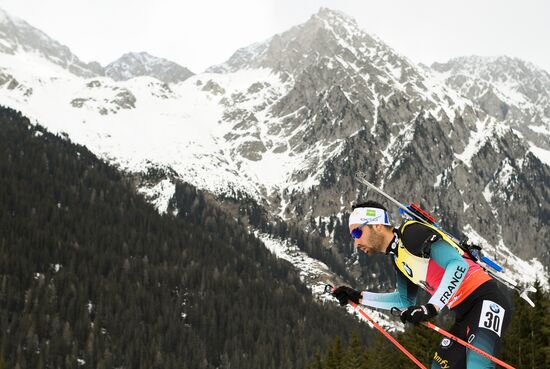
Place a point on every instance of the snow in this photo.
(310, 269)
(487, 193)
(540, 129)
(506, 173)
(483, 132)
(5, 43)
(508, 91)
(350, 27)
(184, 132)
(438, 180)
(542, 154)
(31, 65)
(160, 194)
(397, 143)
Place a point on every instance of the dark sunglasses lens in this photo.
(356, 233)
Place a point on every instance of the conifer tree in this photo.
(354, 353)
(335, 355)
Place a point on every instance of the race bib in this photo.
(492, 316)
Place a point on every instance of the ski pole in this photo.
(461, 341)
(467, 345)
(330, 289)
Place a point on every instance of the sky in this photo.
(198, 34)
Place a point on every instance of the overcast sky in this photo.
(197, 34)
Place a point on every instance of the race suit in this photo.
(425, 257)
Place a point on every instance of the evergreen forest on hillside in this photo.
(91, 276)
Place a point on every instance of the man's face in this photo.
(371, 240)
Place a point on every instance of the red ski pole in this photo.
(462, 342)
(466, 344)
(330, 289)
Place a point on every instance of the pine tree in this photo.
(335, 355)
(536, 337)
(316, 363)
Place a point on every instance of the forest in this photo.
(92, 276)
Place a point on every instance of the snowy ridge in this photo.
(114, 119)
(242, 57)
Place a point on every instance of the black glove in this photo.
(418, 313)
(345, 293)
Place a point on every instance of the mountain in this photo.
(351, 93)
(287, 122)
(508, 89)
(21, 40)
(132, 65)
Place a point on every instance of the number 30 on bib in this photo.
(492, 316)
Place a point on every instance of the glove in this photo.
(345, 293)
(418, 313)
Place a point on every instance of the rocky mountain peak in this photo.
(17, 36)
(327, 34)
(509, 89)
(336, 18)
(135, 64)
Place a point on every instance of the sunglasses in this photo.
(358, 232)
